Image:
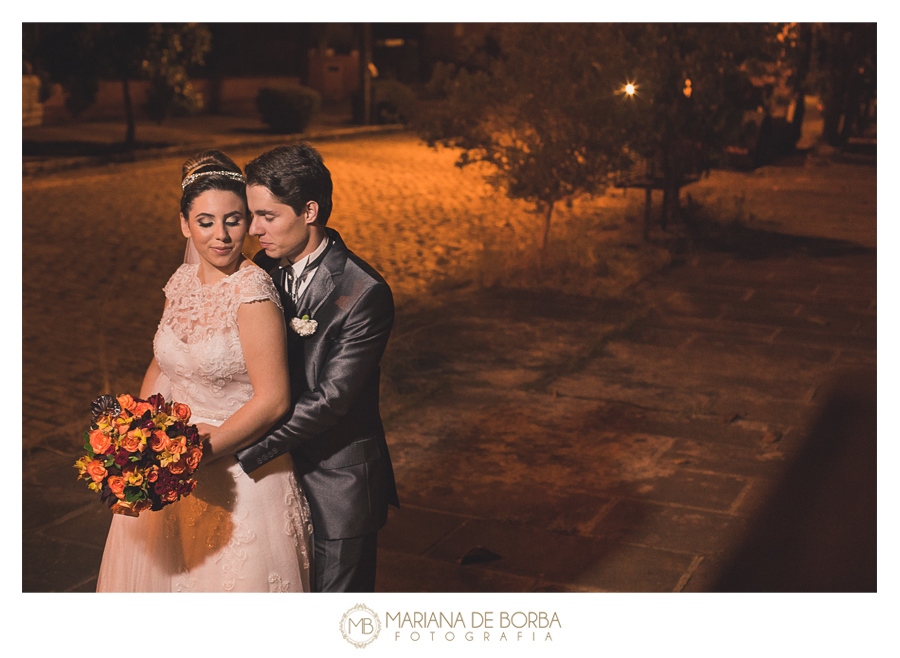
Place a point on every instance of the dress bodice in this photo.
(198, 343)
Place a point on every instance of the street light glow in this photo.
(629, 89)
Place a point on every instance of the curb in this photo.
(52, 165)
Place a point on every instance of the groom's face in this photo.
(282, 232)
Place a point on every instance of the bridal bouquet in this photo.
(140, 453)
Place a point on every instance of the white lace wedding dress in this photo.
(236, 532)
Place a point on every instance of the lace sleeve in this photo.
(255, 285)
(175, 282)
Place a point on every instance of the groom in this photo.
(339, 313)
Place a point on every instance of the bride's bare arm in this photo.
(151, 377)
(264, 344)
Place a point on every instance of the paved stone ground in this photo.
(582, 445)
(636, 466)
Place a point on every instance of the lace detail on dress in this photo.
(278, 584)
(298, 520)
(236, 531)
(232, 559)
(198, 343)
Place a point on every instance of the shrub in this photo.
(394, 102)
(288, 109)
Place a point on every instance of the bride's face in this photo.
(217, 224)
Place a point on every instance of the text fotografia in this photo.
(479, 626)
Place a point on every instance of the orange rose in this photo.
(158, 441)
(126, 402)
(177, 446)
(123, 425)
(133, 441)
(181, 411)
(177, 468)
(170, 496)
(96, 470)
(140, 408)
(192, 457)
(153, 474)
(117, 485)
(99, 442)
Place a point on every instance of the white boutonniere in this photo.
(304, 326)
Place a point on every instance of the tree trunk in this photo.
(671, 203)
(545, 239)
(365, 58)
(129, 114)
(648, 207)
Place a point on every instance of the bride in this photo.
(221, 344)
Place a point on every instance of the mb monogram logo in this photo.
(360, 626)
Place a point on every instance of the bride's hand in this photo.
(206, 431)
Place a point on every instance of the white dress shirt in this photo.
(299, 266)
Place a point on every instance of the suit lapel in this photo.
(323, 281)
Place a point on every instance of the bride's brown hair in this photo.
(210, 170)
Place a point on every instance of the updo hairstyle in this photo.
(210, 170)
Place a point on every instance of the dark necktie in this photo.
(291, 282)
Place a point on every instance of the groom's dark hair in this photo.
(295, 175)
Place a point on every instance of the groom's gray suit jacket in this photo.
(333, 430)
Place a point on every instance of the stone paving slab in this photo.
(672, 528)
(599, 565)
(402, 572)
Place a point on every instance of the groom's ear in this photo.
(185, 227)
(312, 212)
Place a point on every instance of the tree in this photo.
(689, 82)
(78, 56)
(538, 104)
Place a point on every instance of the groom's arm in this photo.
(352, 360)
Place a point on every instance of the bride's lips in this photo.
(221, 250)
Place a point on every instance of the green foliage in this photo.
(288, 109)
(690, 83)
(78, 55)
(540, 106)
(171, 49)
(545, 106)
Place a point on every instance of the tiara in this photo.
(228, 174)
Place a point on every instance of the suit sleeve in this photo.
(352, 360)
